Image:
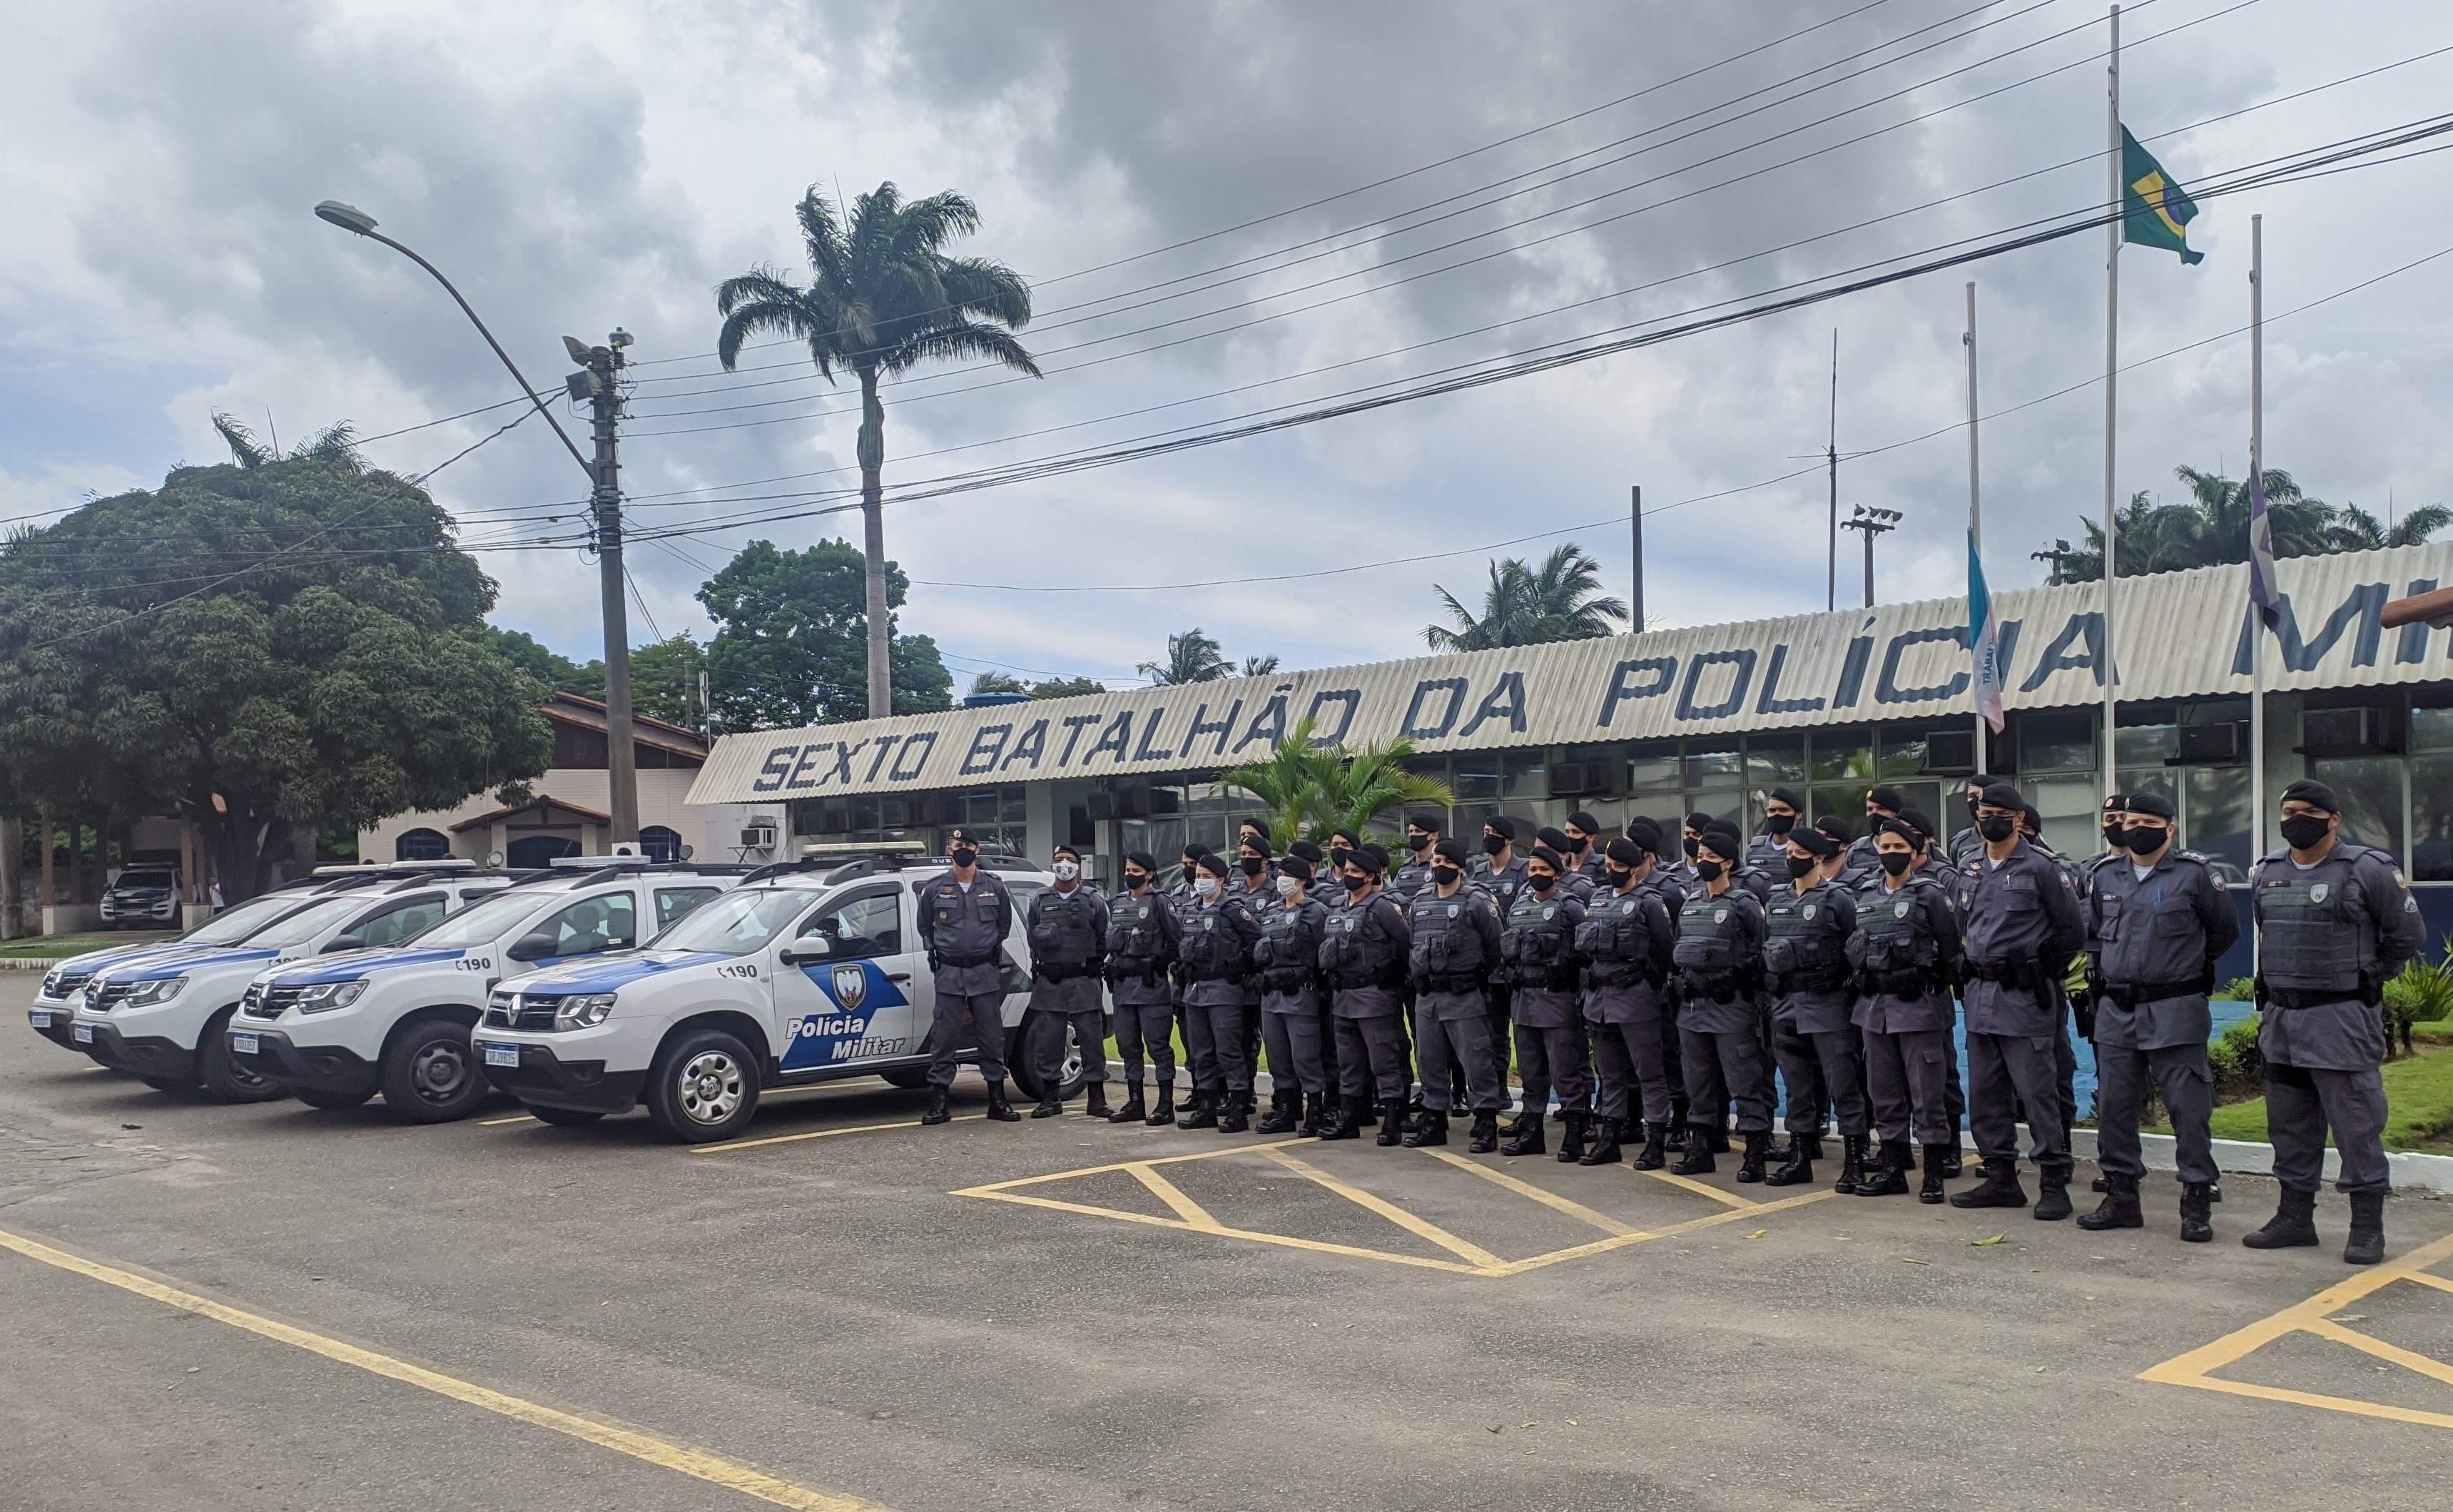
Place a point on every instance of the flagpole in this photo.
(2115, 204)
(1975, 513)
(2257, 474)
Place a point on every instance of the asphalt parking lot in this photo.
(272, 1307)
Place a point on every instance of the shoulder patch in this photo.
(2199, 857)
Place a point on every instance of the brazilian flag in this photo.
(2155, 210)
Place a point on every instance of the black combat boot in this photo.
(1527, 1117)
(1237, 1118)
(2000, 1188)
(1094, 1103)
(1603, 1149)
(1050, 1107)
(2197, 1214)
(1889, 1174)
(1571, 1142)
(1164, 1114)
(2119, 1208)
(1655, 1153)
(1937, 1171)
(1430, 1128)
(1852, 1164)
(1345, 1120)
(1951, 1162)
(1485, 1136)
(2366, 1246)
(999, 1109)
(2052, 1191)
(1698, 1159)
(1200, 1111)
(938, 1112)
(1135, 1109)
(1371, 1105)
(1677, 1126)
(1798, 1169)
(2293, 1226)
(1525, 1136)
(1392, 1126)
(1750, 1166)
(1281, 1117)
(1716, 1135)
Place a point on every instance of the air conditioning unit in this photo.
(2213, 745)
(1130, 803)
(759, 834)
(1583, 779)
(2345, 732)
(1950, 753)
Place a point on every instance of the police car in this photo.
(335, 1030)
(809, 971)
(63, 987)
(161, 1016)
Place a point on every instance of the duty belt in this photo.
(1059, 971)
(965, 961)
(2316, 996)
(1786, 982)
(2127, 995)
(1449, 982)
(1905, 982)
(1720, 987)
(2017, 972)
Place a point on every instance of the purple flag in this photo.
(2260, 555)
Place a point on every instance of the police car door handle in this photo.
(898, 976)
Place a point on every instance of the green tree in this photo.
(1560, 600)
(997, 683)
(790, 633)
(548, 665)
(664, 680)
(1191, 657)
(1260, 666)
(2210, 527)
(258, 648)
(1067, 687)
(2355, 529)
(1310, 789)
(883, 298)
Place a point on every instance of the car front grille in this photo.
(103, 997)
(531, 1012)
(270, 1003)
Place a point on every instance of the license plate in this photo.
(245, 1045)
(82, 1034)
(39, 1018)
(501, 1055)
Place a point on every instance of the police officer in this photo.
(1537, 951)
(1769, 852)
(1671, 881)
(1807, 927)
(1935, 867)
(1216, 952)
(1363, 950)
(1286, 963)
(2158, 921)
(1180, 899)
(1626, 939)
(1586, 839)
(1255, 883)
(1454, 942)
(1907, 955)
(1067, 925)
(2335, 922)
(1413, 874)
(1860, 865)
(1326, 887)
(1500, 871)
(1719, 957)
(1966, 845)
(1142, 934)
(965, 917)
(1571, 882)
(2031, 829)
(2019, 919)
(1691, 840)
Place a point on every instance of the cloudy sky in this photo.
(1394, 173)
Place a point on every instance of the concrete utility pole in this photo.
(1635, 522)
(598, 384)
(1872, 522)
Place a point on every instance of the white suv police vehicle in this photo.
(809, 971)
(335, 1030)
(161, 1016)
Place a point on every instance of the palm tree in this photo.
(1310, 789)
(986, 683)
(882, 299)
(2355, 529)
(2210, 528)
(335, 442)
(1191, 657)
(1558, 601)
(1260, 666)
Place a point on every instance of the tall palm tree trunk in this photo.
(873, 523)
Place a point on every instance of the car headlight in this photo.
(161, 989)
(581, 1013)
(51, 985)
(326, 996)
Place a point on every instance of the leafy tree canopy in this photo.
(790, 645)
(548, 665)
(1310, 789)
(663, 679)
(1560, 600)
(2210, 527)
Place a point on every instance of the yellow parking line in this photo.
(821, 1134)
(1548, 1199)
(1320, 1246)
(1713, 1192)
(1174, 1197)
(764, 1099)
(1419, 1227)
(2392, 1354)
(696, 1464)
(1599, 1246)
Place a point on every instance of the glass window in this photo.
(1841, 754)
(2072, 809)
(737, 922)
(421, 845)
(671, 902)
(238, 921)
(1655, 769)
(308, 922)
(2370, 788)
(1714, 763)
(482, 924)
(659, 843)
(2157, 779)
(1521, 776)
(1477, 779)
(1776, 760)
(1898, 754)
(860, 927)
(1728, 804)
(2432, 729)
(395, 922)
(1848, 800)
(608, 922)
(2145, 745)
(2431, 814)
(2058, 740)
(2215, 821)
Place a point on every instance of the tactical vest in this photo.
(1801, 952)
(1709, 954)
(1135, 945)
(1535, 940)
(1287, 953)
(1357, 954)
(1901, 954)
(1447, 953)
(2315, 936)
(1212, 950)
(1613, 937)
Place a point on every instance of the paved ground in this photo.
(270, 1307)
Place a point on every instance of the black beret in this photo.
(2153, 805)
(1195, 850)
(1307, 851)
(1699, 820)
(1584, 822)
(1426, 822)
(959, 836)
(1350, 838)
(1502, 826)
(1141, 859)
(1063, 851)
(1373, 859)
(2033, 819)
(1214, 865)
(1259, 843)
(1814, 842)
(1548, 857)
(1724, 841)
(2002, 795)
(1644, 833)
(2115, 802)
(1906, 831)
(1782, 795)
(2316, 795)
(1836, 827)
(1297, 867)
(1625, 852)
(1555, 839)
(1983, 779)
(1886, 798)
(1450, 850)
(1918, 819)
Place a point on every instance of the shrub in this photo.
(2239, 989)
(2237, 1065)
(2422, 994)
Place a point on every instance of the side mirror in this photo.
(531, 947)
(808, 950)
(344, 942)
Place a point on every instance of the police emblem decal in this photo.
(1719, 916)
(1900, 909)
(1808, 911)
(2321, 893)
(852, 987)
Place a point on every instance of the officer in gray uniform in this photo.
(1769, 852)
(1586, 840)
(1537, 952)
(1906, 956)
(2335, 923)
(1362, 951)
(1327, 889)
(1966, 844)
(1935, 867)
(1500, 871)
(2020, 921)
(1067, 925)
(1180, 899)
(1216, 958)
(1142, 933)
(1413, 874)
(2031, 829)
(2157, 922)
(1572, 883)
(1626, 941)
(1719, 957)
(1454, 942)
(1286, 964)
(1671, 882)
(965, 916)
(1806, 926)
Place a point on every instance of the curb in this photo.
(36, 963)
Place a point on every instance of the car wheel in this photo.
(430, 1074)
(703, 1087)
(223, 1077)
(169, 1083)
(561, 1116)
(1022, 1061)
(331, 1101)
(909, 1078)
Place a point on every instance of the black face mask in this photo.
(2144, 839)
(1780, 824)
(1579, 844)
(1542, 883)
(1135, 881)
(965, 856)
(2112, 834)
(1799, 865)
(1418, 843)
(1493, 844)
(1250, 866)
(1998, 828)
(1972, 802)
(1339, 856)
(1692, 847)
(1445, 876)
(2303, 831)
(1357, 884)
(1620, 876)
(1897, 862)
(1707, 871)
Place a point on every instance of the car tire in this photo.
(909, 1078)
(561, 1116)
(430, 1074)
(1020, 1063)
(703, 1087)
(169, 1083)
(224, 1079)
(331, 1101)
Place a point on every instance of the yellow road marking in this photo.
(2197, 1368)
(516, 1117)
(1600, 1247)
(1283, 1241)
(1174, 1197)
(821, 1134)
(696, 1464)
(1694, 1185)
(1419, 1228)
(1548, 1199)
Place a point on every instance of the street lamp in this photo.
(621, 758)
(1872, 522)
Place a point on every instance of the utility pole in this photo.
(598, 384)
(1635, 522)
(1832, 462)
(1872, 522)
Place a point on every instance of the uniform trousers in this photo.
(987, 1011)
(1907, 1074)
(1141, 1028)
(2007, 1074)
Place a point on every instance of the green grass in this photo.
(2419, 1094)
(59, 948)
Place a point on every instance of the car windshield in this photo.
(233, 925)
(308, 922)
(143, 879)
(484, 923)
(737, 922)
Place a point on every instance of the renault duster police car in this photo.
(161, 1016)
(336, 1028)
(809, 971)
